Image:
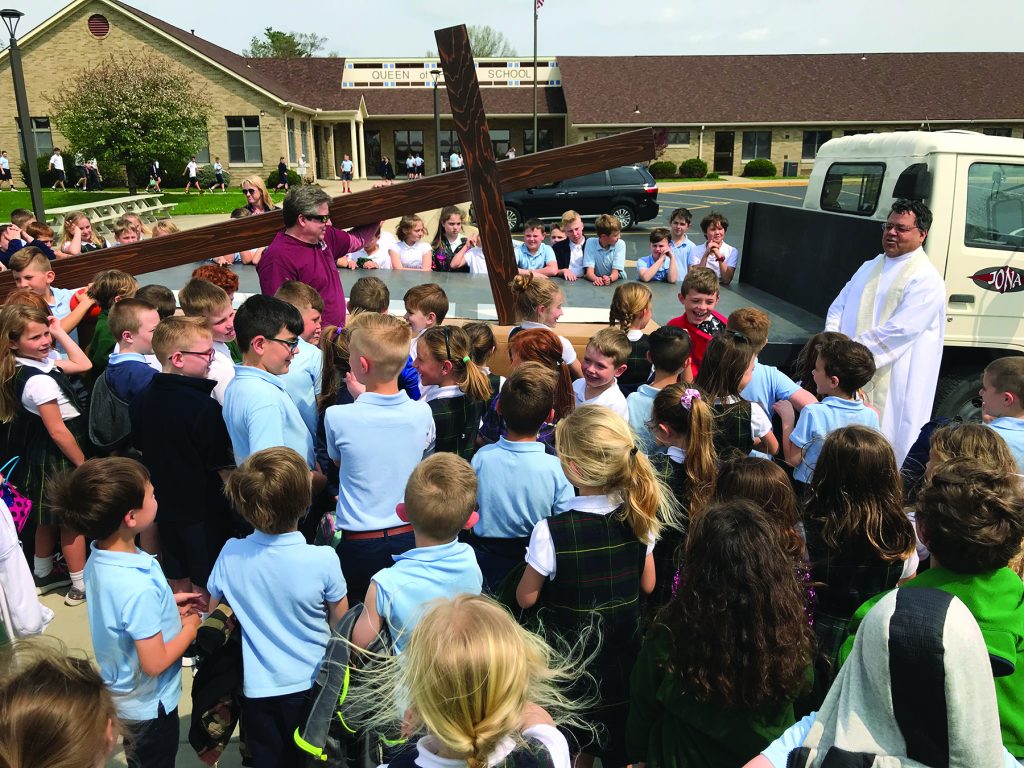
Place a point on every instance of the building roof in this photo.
(792, 89)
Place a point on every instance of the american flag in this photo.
(540, 4)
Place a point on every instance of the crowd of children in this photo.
(681, 579)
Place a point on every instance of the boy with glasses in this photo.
(180, 431)
(257, 409)
(201, 298)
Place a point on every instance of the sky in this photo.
(357, 28)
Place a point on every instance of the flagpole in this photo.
(536, 138)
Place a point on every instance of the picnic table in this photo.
(103, 213)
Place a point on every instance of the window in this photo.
(291, 140)
(625, 176)
(449, 143)
(852, 188)
(41, 134)
(757, 144)
(997, 131)
(203, 155)
(813, 141)
(590, 180)
(304, 127)
(995, 206)
(500, 142)
(677, 137)
(244, 139)
(407, 143)
(547, 140)
(856, 132)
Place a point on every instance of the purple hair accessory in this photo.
(689, 395)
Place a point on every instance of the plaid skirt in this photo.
(42, 461)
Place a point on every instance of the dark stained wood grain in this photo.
(475, 138)
(353, 209)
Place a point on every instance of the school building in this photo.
(723, 109)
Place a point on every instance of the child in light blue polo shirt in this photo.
(842, 368)
(138, 634)
(305, 375)
(439, 501)
(533, 255)
(286, 595)
(520, 484)
(257, 409)
(669, 354)
(604, 256)
(376, 442)
(1002, 397)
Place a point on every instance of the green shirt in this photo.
(996, 600)
(669, 728)
(101, 346)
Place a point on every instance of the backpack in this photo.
(325, 737)
(110, 425)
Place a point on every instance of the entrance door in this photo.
(725, 141)
(371, 146)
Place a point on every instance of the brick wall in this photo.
(67, 48)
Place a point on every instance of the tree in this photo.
(486, 42)
(285, 45)
(132, 109)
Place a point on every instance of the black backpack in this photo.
(110, 425)
(326, 738)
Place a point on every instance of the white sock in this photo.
(42, 566)
(78, 579)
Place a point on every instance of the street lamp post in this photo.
(11, 18)
(436, 73)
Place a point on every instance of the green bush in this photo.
(694, 168)
(663, 169)
(46, 177)
(712, 176)
(294, 180)
(207, 177)
(760, 167)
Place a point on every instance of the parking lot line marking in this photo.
(772, 192)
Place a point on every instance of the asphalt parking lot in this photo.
(730, 201)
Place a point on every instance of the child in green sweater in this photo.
(106, 289)
(971, 517)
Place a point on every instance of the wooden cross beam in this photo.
(475, 138)
(479, 183)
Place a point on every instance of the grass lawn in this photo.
(216, 202)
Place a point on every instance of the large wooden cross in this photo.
(483, 182)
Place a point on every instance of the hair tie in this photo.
(465, 359)
(339, 330)
(632, 451)
(689, 395)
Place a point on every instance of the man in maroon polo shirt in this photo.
(309, 248)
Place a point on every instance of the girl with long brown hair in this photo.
(718, 673)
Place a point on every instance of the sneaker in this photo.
(55, 579)
(75, 596)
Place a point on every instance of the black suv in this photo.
(629, 193)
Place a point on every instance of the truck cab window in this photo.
(852, 188)
(995, 206)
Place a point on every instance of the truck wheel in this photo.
(515, 218)
(955, 394)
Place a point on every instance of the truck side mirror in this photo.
(914, 183)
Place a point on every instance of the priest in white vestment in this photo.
(895, 306)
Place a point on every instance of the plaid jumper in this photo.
(844, 580)
(638, 367)
(732, 430)
(457, 420)
(598, 563)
